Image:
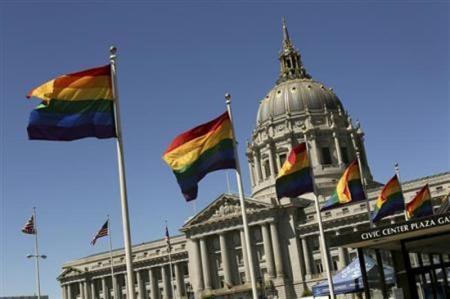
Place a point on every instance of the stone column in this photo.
(306, 256)
(268, 250)
(93, 289)
(205, 264)
(194, 266)
(87, 294)
(81, 289)
(63, 292)
(179, 281)
(117, 290)
(245, 256)
(251, 172)
(105, 289)
(338, 149)
(69, 291)
(271, 164)
(258, 167)
(153, 284)
(276, 250)
(141, 287)
(315, 151)
(225, 258)
(342, 257)
(165, 281)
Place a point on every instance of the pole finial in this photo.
(227, 98)
(112, 52)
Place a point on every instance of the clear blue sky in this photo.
(387, 61)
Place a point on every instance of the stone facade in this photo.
(209, 258)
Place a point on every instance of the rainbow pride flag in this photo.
(74, 106)
(201, 150)
(348, 190)
(294, 178)
(420, 205)
(389, 201)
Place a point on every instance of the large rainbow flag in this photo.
(74, 106)
(201, 150)
(348, 190)
(294, 178)
(420, 205)
(389, 201)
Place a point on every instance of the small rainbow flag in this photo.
(201, 150)
(295, 177)
(420, 205)
(389, 201)
(74, 106)
(348, 190)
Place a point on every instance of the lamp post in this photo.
(37, 256)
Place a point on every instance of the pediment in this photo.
(226, 206)
(69, 271)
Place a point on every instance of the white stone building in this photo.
(209, 258)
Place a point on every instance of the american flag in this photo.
(169, 247)
(101, 233)
(29, 227)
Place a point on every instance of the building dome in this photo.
(300, 109)
(294, 97)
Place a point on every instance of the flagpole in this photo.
(169, 249)
(37, 256)
(228, 183)
(397, 173)
(361, 173)
(110, 251)
(323, 242)
(123, 186)
(242, 202)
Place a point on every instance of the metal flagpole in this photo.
(110, 252)
(397, 173)
(323, 242)
(123, 185)
(242, 203)
(169, 249)
(37, 256)
(228, 183)
(363, 179)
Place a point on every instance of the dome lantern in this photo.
(291, 66)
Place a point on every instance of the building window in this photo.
(267, 168)
(282, 159)
(344, 155)
(315, 243)
(242, 277)
(345, 211)
(326, 156)
(260, 253)
(319, 267)
(239, 258)
(335, 261)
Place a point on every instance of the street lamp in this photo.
(43, 256)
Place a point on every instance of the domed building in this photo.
(209, 258)
(296, 106)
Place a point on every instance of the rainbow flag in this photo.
(74, 106)
(295, 177)
(420, 205)
(201, 150)
(389, 201)
(348, 190)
